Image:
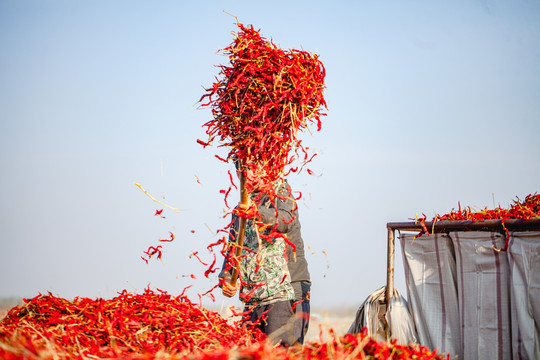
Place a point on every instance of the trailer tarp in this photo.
(469, 298)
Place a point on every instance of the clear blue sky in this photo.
(430, 103)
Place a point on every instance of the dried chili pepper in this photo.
(527, 209)
(172, 237)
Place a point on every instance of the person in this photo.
(274, 276)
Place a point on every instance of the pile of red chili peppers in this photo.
(159, 326)
(129, 324)
(525, 209)
(261, 101)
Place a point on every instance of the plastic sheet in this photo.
(524, 263)
(471, 300)
(483, 293)
(430, 274)
(373, 316)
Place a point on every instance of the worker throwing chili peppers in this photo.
(260, 102)
(273, 271)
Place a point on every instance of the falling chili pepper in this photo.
(204, 144)
(168, 240)
(231, 178)
(198, 258)
(296, 303)
(153, 251)
(211, 268)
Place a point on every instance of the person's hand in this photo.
(245, 208)
(228, 289)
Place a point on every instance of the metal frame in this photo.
(445, 226)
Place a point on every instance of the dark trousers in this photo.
(302, 314)
(284, 322)
(276, 321)
(303, 311)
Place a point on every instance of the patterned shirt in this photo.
(264, 272)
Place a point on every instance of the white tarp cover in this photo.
(373, 316)
(430, 275)
(470, 300)
(524, 261)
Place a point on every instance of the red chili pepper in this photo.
(296, 303)
(198, 258)
(211, 268)
(288, 222)
(231, 178)
(168, 240)
(220, 158)
(204, 144)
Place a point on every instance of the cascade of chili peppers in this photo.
(156, 325)
(260, 102)
(525, 209)
(350, 346)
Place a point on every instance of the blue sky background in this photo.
(431, 103)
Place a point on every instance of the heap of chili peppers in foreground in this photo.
(260, 102)
(148, 324)
(357, 346)
(160, 326)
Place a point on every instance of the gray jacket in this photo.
(288, 222)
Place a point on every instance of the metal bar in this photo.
(390, 266)
(389, 275)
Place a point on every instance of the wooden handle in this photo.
(241, 228)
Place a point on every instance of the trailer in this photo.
(473, 287)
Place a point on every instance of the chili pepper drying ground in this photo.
(156, 325)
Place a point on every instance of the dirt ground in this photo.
(322, 322)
